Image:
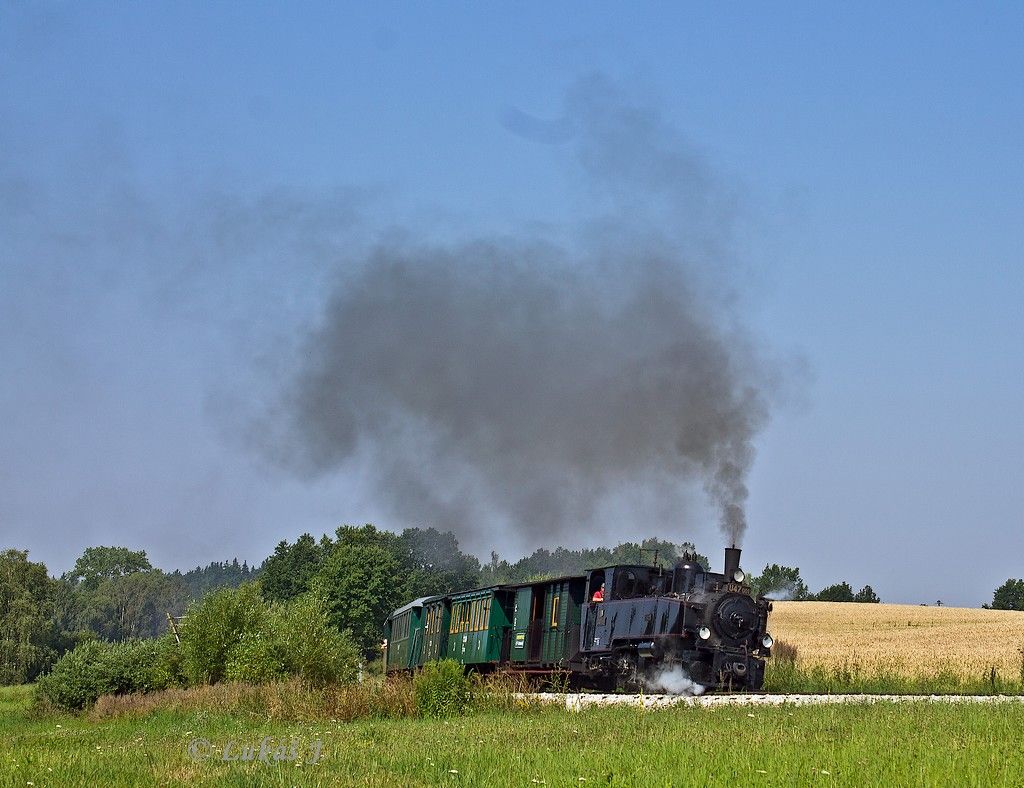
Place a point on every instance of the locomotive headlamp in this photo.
(767, 641)
(704, 633)
(738, 576)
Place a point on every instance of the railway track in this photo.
(577, 701)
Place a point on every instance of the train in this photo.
(614, 628)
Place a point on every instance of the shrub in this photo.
(73, 682)
(97, 668)
(442, 689)
(168, 670)
(213, 628)
(130, 666)
(258, 656)
(316, 651)
(231, 635)
(234, 635)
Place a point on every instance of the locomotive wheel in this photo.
(628, 678)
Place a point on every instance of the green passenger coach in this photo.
(404, 631)
(531, 626)
(477, 626)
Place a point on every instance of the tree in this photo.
(867, 594)
(26, 612)
(214, 628)
(359, 581)
(133, 605)
(1009, 596)
(99, 563)
(839, 592)
(217, 574)
(434, 564)
(780, 582)
(543, 564)
(288, 572)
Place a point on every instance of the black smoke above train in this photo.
(649, 620)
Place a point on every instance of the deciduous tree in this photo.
(838, 592)
(26, 613)
(780, 582)
(1009, 596)
(100, 563)
(360, 582)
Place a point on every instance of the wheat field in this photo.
(909, 640)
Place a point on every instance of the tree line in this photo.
(785, 583)
(111, 594)
(359, 575)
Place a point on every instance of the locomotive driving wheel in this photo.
(627, 677)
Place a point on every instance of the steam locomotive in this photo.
(616, 627)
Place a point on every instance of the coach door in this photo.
(535, 632)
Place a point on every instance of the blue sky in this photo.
(875, 156)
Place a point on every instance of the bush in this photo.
(442, 689)
(234, 635)
(258, 656)
(231, 635)
(168, 670)
(213, 628)
(316, 651)
(97, 668)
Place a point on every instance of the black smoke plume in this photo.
(521, 381)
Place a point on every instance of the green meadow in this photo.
(916, 743)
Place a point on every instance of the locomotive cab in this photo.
(628, 582)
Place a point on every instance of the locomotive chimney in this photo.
(732, 561)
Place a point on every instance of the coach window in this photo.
(554, 611)
(487, 613)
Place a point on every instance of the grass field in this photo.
(179, 737)
(908, 640)
(912, 744)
